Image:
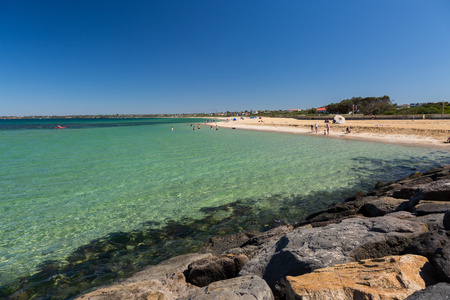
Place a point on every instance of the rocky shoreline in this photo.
(392, 243)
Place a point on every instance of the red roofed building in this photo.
(322, 109)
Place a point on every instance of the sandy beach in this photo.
(421, 132)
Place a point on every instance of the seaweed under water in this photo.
(119, 254)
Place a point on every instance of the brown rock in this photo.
(145, 290)
(205, 271)
(391, 277)
(160, 282)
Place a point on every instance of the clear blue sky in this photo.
(169, 56)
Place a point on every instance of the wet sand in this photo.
(419, 132)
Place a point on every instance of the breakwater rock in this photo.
(391, 243)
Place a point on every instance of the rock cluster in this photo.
(389, 244)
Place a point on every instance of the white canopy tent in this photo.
(339, 119)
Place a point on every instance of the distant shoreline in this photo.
(424, 133)
(87, 117)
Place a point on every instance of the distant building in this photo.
(322, 110)
(421, 104)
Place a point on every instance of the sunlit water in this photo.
(61, 189)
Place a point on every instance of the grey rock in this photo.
(264, 237)
(205, 271)
(248, 242)
(302, 251)
(240, 288)
(219, 244)
(386, 190)
(402, 215)
(357, 196)
(440, 291)
(428, 244)
(437, 190)
(381, 206)
(440, 175)
(441, 261)
(431, 207)
(437, 170)
(405, 193)
(418, 181)
(381, 184)
(340, 210)
(433, 221)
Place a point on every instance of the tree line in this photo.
(383, 106)
(366, 106)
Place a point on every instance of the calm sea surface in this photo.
(91, 203)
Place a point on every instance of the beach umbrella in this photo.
(339, 119)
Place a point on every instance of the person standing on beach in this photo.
(316, 127)
(328, 129)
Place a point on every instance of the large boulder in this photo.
(428, 244)
(240, 288)
(163, 281)
(427, 207)
(205, 271)
(436, 190)
(381, 206)
(440, 291)
(433, 221)
(305, 250)
(441, 260)
(244, 242)
(391, 277)
(339, 211)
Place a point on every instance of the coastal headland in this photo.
(423, 132)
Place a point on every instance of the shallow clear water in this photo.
(62, 189)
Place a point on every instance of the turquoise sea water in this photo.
(139, 192)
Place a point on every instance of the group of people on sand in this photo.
(326, 131)
(316, 128)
